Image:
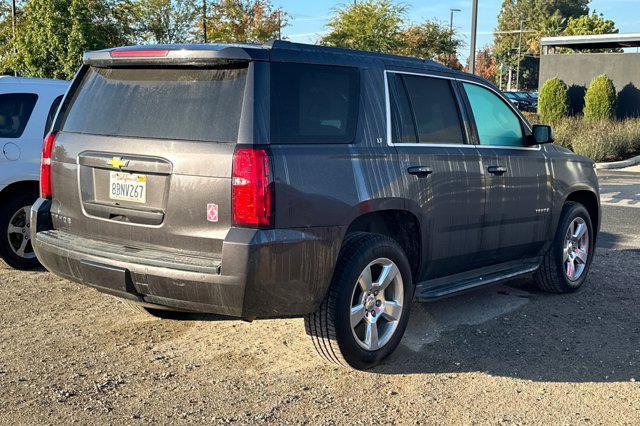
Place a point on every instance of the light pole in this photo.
(519, 54)
(474, 31)
(13, 29)
(451, 21)
(204, 20)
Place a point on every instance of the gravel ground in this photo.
(503, 354)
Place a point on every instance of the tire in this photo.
(553, 274)
(14, 212)
(330, 326)
(159, 313)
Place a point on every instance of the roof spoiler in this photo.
(176, 54)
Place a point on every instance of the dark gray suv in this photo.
(294, 180)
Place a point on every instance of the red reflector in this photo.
(45, 165)
(148, 53)
(251, 188)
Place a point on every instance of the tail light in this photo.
(45, 165)
(252, 187)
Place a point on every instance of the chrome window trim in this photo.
(387, 97)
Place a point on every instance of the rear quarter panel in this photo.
(332, 184)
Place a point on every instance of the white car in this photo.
(27, 109)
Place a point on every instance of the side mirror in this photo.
(542, 134)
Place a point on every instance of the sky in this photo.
(308, 17)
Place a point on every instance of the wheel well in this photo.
(400, 225)
(25, 186)
(589, 200)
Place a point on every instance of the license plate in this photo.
(128, 187)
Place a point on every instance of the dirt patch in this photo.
(501, 354)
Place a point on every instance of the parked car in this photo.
(294, 180)
(512, 98)
(27, 108)
(524, 103)
(528, 97)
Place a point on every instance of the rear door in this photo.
(443, 177)
(518, 208)
(144, 156)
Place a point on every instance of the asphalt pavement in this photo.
(620, 199)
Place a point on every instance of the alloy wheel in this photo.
(576, 249)
(18, 233)
(376, 304)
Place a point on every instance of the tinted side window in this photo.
(15, 110)
(313, 103)
(52, 113)
(434, 109)
(402, 126)
(497, 124)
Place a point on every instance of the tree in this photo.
(535, 16)
(600, 99)
(166, 21)
(591, 25)
(380, 26)
(451, 61)
(486, 65)
(553, 103)
(7, 55)
(551, 26)
(244, 21)
(367, 25)
(53, 34)
(429, 40)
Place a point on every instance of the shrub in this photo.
(607, 140)
(603, 140)
(553, 103)
(565, 130)
(600, 99)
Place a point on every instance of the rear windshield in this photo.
(313, 103)
(170, 103)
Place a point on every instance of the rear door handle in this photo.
(497, 170)
(420, 171)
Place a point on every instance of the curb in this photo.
(619, 164)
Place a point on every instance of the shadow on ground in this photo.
(515, 330)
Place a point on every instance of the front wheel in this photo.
(565, 266)
(365, 313)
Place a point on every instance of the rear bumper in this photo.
(261, 274)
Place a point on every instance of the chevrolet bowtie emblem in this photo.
(117, 162)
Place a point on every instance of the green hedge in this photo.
(600, 99)
(553, 102)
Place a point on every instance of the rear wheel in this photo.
(365, 312)
(15, 236)
(565, 266)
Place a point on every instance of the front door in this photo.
(443, 177)
(518, 207)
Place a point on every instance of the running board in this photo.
(436, 289)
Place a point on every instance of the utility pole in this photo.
(519, 53)
(13, 29)
(204, 20)
(474, 31)
(451, 22)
